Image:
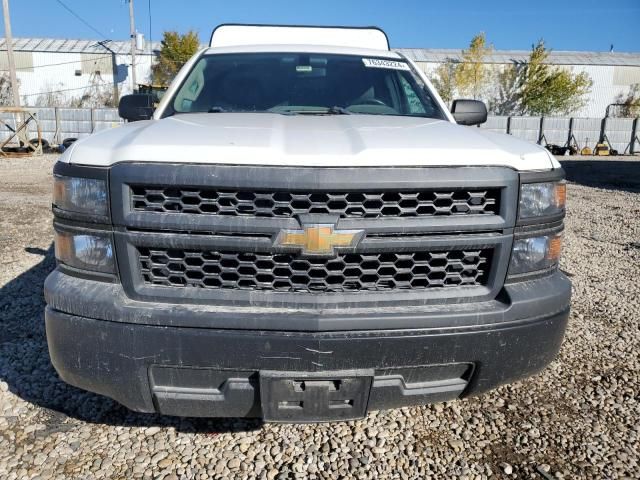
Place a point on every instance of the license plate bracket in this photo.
(296, 397)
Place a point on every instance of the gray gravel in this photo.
(577, 419)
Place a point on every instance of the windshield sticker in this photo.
(378, 63)
(304, 68)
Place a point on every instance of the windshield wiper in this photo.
(335, 110)
(316, 111)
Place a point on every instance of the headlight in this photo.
(92, 251)
(80, 195)
(542, 199)
(535, 253)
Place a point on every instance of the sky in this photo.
(592, 25)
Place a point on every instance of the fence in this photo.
(621, 133)
(58, 124)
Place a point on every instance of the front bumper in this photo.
(187, 360)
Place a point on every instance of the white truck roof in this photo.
(294, 48)
(235, 35)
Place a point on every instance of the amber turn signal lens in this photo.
(561, 194)
(64, 247)
(555, 248)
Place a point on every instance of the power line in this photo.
(68, 9)
(57, 91)
(95, 59)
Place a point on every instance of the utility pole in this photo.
(12, 63)
(132, 26)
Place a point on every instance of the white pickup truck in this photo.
(302, 231)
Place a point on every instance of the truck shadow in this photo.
(607, 174)
(27, 370)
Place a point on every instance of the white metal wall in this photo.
(55, 72)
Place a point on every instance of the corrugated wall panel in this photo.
(618, 132)
(46, 113)
(556, 130)
(626, 76)
(47, 122)
(587, 131)
(603, 92)
(106, 115)
(105, 125)
(526, 128)
(496, 124)
(74, 122)
(23, 61)
(105, 118)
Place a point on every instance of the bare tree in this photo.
(509, 81)
(443, 80)
(52, 97)
(629, 104)
(6, 92)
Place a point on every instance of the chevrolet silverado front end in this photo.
(303, 233)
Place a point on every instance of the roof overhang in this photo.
(233, 35)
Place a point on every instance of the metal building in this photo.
(613, 74)
(56, 72)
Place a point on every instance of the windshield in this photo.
(294, 83)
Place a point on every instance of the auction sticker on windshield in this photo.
(380, 63)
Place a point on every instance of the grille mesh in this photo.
(349, 272)
(207, 201)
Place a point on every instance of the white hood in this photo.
(307, 140)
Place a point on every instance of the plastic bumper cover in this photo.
(288, 375)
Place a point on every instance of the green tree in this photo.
(443, 79)
(550, 90)
(176, 50)
(472, 73)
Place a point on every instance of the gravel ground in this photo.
(577, 419)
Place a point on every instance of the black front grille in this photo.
(417, 203)
(351, 272)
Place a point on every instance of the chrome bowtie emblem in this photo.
(319, 240)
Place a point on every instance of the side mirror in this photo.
(469, 112)
(136, 107)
